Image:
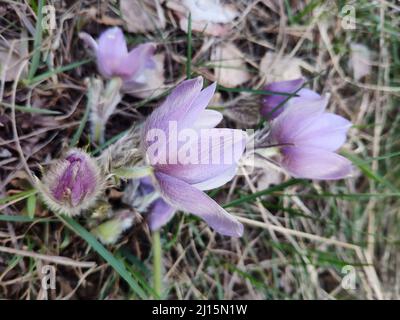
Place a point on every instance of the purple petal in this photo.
(77, 180)
(160, 214)
(89, 41)
(168, 119)
(208, 119)
(111, 51)
(199, 105)
(314, 163)
(270, 102)
(187, 198)
(146, 186)
(217, 181)
(175, 107)
(216, 150)
(138, 59)
(305, 93)
(295, 118)
(327, 132)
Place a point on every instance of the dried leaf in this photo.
(210, 11)
(360, 60)
(10, 62)
(230, 70)
(208, 16)
(142, 15)
(212, 29)
(280, 68)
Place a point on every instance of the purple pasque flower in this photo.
(270, 103)
(114, 60)
(308, 137)
(180, 182)
(72, 184)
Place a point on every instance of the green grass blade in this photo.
(18, 197)
(261, 193)
(23, 219)
(61, 69)
(116, 264)
(78, 132)
(37, 42)
(109, 142)
(255, 91)
(7, 218)
(31, 205)
(368, 172)
(30, 109)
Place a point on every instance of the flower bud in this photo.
(72, 184)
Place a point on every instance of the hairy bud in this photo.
(72, 184)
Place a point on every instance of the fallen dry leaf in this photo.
(208, 16)
(230, 67)
(276, 67)
(10, 61)
(142, 15)
(360, 60)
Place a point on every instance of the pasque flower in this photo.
(114, 60)
(271, 104)
(308, 138)
(178, 182)
(72, 184)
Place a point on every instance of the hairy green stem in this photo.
(157, 272)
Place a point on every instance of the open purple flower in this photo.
(184, 167)
(114, 60)
(270, 103)
(72, 184)
(308, 138)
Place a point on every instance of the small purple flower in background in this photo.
(114, 60)
(72, 184)
(179, 185)
(270, 103)
(308, 138)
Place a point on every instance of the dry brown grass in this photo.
(296, 240)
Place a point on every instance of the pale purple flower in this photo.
(72, 184)
(180, 184)
(308, 138)
(271, 104)
(114, 60)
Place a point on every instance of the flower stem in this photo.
(157, 273)
(98, 135)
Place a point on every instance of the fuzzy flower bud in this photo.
(72, 184)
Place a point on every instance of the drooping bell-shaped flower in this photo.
(271, 104)
(114, 60)
(188, 155)
(72, 184)
(309, 138)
